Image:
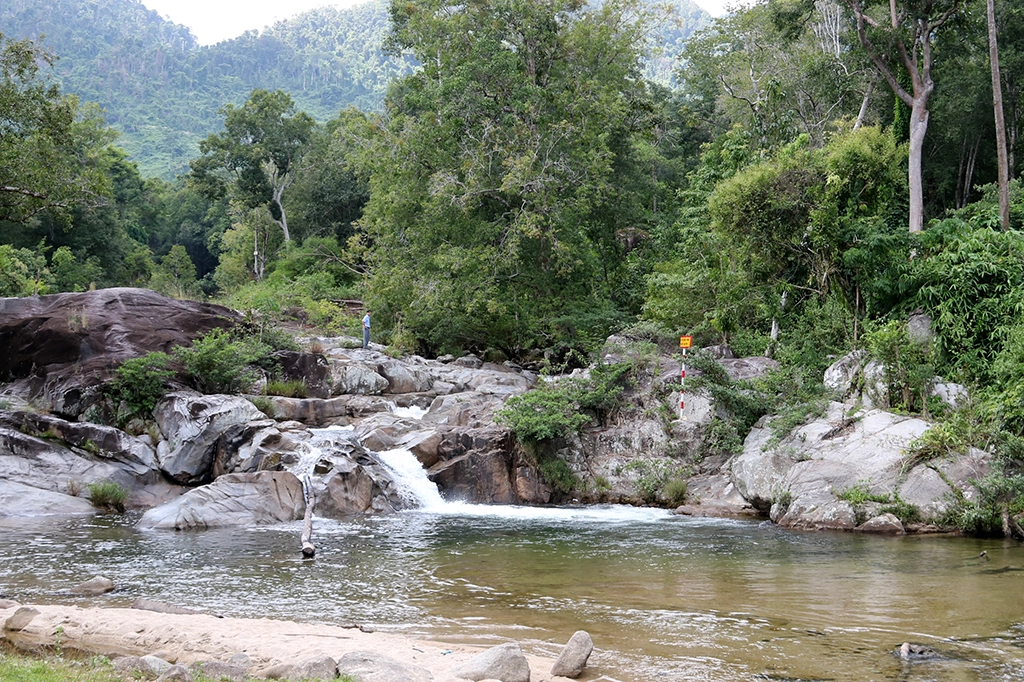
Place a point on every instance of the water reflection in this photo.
(664, 597)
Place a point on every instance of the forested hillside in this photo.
(812, 174)
(162, 90)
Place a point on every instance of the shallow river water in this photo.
(664, 597)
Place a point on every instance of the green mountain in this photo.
(162, 90)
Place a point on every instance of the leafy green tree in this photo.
(901, 34)
(256, 154)
(495, 206)
(176, 275)
(48, 143)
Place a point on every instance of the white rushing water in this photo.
(416, 488)
(411, 412)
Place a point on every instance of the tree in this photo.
(997, 103)
(258, 151)
(910, 31)
(48, 144)
(495, 198)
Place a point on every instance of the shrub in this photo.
(556, 410)
(262, 403)
(674, 492)
(908, 366)
(556, 473)
(139, 384)
(295, 388)
(218, 364)
(107, 495)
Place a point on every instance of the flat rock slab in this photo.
(267, 643)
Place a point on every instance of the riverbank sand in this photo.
(188, 638)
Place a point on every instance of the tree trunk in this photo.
(308, 550)
(862, 114)
(997, 103)
(918, 128)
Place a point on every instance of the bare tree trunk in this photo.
(308, 550)
(997, 103)
(918, 128)
(862, 114)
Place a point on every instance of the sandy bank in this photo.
(200, 637)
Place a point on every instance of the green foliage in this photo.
(139, 384)
(218, 363)
(48, 144)
(909, 369)
(290, 389)
(107, 495)
(860, 494)
(674, 491)
(542, 414)
(560, 408)
(653, 477)
(262, 403)
(176, 275)
(557, 474)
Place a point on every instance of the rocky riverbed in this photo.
(214, 460)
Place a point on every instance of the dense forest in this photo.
(801, 177)
(162, 91)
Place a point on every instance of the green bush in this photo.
(107, 495)
(217, 363)
(557, 410)
(289, 389)
(557, 474)
(908, 365)
(674, 492)
(139, 384)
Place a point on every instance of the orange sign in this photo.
(685, 341)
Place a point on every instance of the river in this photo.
(664, 597)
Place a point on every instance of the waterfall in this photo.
(410, 479)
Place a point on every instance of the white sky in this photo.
(214, 20)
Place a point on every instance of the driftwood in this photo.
(308, 550)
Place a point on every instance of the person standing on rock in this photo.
(366, 330)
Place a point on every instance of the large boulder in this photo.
(356, 378)
(192, 424)
(800, 478)
(403, 378)
(574, 656)
(369, 666)
(312, 369)
(62, 346)
(233, 500)
(505, 662)
(477, 465)
(18, 499)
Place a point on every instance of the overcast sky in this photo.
(214, 20)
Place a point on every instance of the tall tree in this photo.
(909, 31)
(997, 103)
(50, 148)
(256, 154)
(494, 209)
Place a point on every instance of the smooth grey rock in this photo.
(842, 375)
(176, 673)
(367, 666)
(20, 619)
(876, 385)
(153, 665)
(883, 524)
(216, 670)
(920, 328)
(953, 395)
(191, 425)
(505, 662)
(126, 664)
(573, 659)
(819, 460)
(18, 499)
(404, 379)
(233, 500)
(471, 361)
(241, 660)
(744, 369)
(320, 668)
(94, 587)
(161, 607)
(356, 379)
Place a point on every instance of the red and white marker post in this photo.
(684, 343)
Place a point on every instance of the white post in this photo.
(682, 384)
